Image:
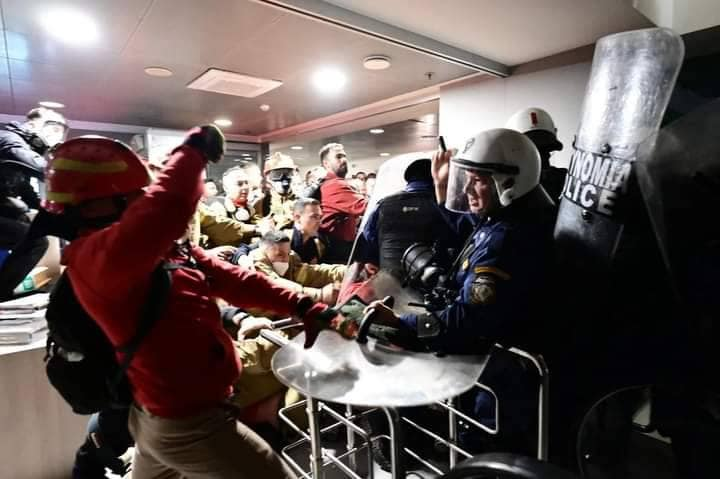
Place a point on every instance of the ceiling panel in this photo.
(6, 103)
(510, 32)
(4, 85)
(188, 31)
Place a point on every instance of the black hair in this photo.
(35, 113)
(419, 170)
(301, 203)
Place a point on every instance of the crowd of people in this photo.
(264, 249)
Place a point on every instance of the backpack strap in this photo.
(160, 284)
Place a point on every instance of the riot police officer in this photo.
(407, 217)
(538, 125)
(499, 273)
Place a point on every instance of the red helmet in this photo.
(92, 167)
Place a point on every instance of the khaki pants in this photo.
(257, 382)
(211, 445)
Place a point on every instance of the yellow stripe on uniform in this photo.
(60, 197)
(66, 164)
(492, 270)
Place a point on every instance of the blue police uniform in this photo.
(500, 276)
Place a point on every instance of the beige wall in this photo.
(469, 108)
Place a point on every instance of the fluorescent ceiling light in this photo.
(246, 154)
(377, 131)
(222, 122)
(70, 26)
(329, 80)
(384, 154)
(51, 104)
(296, 147)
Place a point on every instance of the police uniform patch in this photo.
(482, 290)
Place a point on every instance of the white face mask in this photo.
(281, 267)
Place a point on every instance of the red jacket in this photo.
(187, 362)
(342, 206)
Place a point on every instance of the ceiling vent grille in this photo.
(231, 83)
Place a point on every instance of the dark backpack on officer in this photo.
(80, 361)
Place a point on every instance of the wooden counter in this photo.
(39, 432)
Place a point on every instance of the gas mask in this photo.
(281, 180)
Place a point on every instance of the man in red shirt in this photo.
(342, 205)
(184, 369)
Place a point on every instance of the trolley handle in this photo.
(369, 318)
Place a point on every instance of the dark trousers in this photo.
(24, 257)
(338, 251)
(108, 438)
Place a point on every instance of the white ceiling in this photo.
(507, 31)
(106, 82)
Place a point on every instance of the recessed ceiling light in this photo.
(329, 80)
(384, 154)
(296, 147)
(158, 71)
(246, 154)
(70, 26)
(376, 62)
(377, 131)
(222, 122)
(264, 107)
(51, 104)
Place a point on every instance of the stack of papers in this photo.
(22, 320)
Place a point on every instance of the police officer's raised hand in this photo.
(207, 139)
(441, 172)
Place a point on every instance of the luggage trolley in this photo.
(355, 376)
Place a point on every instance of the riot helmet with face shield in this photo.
(495, 168)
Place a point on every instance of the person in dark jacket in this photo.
(404, 218)
(21, 159)
(306, 239)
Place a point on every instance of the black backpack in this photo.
(314, 191)
(80, 361)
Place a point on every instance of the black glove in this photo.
(208, 140)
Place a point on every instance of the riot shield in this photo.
(632, 78)
(680, 183)
(375, 372)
